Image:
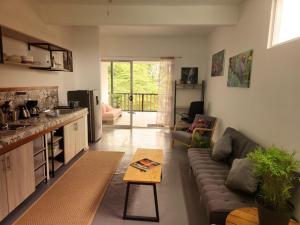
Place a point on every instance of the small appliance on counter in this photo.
(33, 108)
(89, 99)
(23, 112)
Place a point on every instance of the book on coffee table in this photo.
(144, 164)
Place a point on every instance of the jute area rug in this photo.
(74, 198)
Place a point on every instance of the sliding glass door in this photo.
(130, 87)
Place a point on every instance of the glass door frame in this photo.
(130, 125)
(131, 111)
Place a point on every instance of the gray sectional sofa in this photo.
(211, 175)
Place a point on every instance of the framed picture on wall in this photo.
(240, 70)
(217, 66)
(189, 75)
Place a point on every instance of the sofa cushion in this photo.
(222, 148)
(113, 114)
(103, 107)
(219, 201)
(211, 176)
(242, 176)
(241, 145)
(182, 136)
(205, 169)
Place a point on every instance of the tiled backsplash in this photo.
(47, 96)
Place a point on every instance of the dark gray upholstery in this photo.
(182, 136)
(211, 175)
(241, 145)
(242, 176)
(222, 148)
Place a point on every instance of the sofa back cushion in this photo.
(241, 145)
(103, 108)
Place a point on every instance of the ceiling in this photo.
(156, 31)
(142, 17)
(147, 2)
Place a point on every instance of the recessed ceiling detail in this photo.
(156, 31)
(147, 2)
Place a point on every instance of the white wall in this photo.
(268, 112)
(83, 41)
(86, 60)
(193, 53)
(104, 82)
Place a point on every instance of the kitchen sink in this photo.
(12, 127)
(65, 111)
(57, 112)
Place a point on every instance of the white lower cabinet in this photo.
(17, 178)
(3, 189)
(75, 138)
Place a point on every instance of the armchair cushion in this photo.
(182, 136)
(222, 148)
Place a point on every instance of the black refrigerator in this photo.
(91, 100)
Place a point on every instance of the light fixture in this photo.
(108, 7)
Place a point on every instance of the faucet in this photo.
(47, 102)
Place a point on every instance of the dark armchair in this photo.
(195, 108)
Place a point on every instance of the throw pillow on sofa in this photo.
(242, 176)
(222, 148)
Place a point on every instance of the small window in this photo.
(285, 21)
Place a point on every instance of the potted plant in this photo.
(277, 171)
(200, 142)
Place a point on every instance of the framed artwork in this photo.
(240, 70)
(189, 75)
(217, 66)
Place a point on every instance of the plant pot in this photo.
(268, 216)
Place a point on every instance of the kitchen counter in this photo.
(38, 126)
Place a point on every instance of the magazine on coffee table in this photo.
(144, 164)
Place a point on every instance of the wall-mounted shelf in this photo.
(67, 65)
(29, 65)
(188, 86)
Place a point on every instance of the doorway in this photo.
(132, 88)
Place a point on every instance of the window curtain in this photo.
(165, 92)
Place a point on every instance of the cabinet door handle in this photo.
(8, 163)
(3, 164)
(75, 126)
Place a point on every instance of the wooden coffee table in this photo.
(151, 177)
(246, 216)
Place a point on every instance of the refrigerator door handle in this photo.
(97, 100)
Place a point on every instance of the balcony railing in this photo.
(142, 102)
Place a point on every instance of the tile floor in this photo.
(177, 194)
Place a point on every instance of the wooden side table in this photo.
(246, 216)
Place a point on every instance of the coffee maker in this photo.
(33, 108)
